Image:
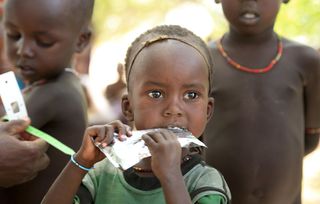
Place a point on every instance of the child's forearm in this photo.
(65, 186)
(174, 190)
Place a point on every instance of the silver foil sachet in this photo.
(125, 154)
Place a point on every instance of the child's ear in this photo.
(126, 108)
(83, 39)
(210, 108)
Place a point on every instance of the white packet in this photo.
(11, 96)
(125, 154)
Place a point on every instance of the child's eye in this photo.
(155, 94)
(13, 36)
(191, 95)
(44, 43)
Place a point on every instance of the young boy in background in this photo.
(40, 38)
(267, 106)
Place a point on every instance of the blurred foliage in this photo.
(300, 18)
(297, 19)
(113, 18)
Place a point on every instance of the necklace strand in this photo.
(247, 69)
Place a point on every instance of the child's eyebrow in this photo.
(45, 34)
(42, 33)
(154, 83)
(198, 86)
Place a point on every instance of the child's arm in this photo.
(311, 59)
(166, 165)
(66, 185)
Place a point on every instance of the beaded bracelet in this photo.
(79, 165)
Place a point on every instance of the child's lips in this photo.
(175, 126)
(249, 17)
(25, 70)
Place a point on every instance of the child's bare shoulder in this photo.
(57, 97)
(301, 52)
(66, 86)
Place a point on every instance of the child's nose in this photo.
(24, 48)
(173, 108)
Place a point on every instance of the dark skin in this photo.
(15, 153)
(257, 136)
(171, 93)
(40, 43)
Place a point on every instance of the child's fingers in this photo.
(149, 141)
(103, 135)
(168, 135)
(162, 136)
(92, 134)
(128, 130)
(154, 139)
(122, 129)
(109, 135)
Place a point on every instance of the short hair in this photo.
(80, 11)
(85, 11)
(87, 7)
(168, 32)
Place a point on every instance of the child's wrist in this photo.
(81, 162)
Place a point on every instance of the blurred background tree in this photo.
(112, 18)
(299, 19)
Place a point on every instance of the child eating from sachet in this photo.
(168, 72)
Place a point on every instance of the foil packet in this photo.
(125, 154)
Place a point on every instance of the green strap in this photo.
(51, 140)
(48, 138)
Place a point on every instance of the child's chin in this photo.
(145, 164)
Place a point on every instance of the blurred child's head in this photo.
(169, 77)
(42, 35)
(250, 17)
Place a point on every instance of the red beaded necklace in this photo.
(252, 70)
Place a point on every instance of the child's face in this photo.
(169, 86)
(39, 40)
(247, 16)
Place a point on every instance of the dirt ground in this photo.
(311, 178)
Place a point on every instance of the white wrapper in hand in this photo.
(125, 154)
